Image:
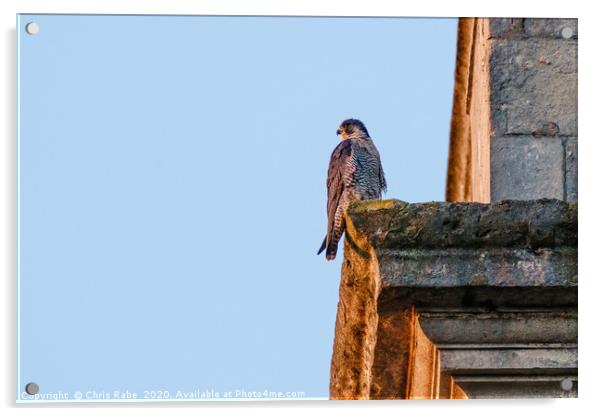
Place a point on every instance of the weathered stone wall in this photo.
(514, 123)
(455, 300)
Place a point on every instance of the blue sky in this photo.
(172, 189)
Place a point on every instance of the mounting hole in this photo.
(566, 32)
(32, 28)
(566, 384)
(32, 388)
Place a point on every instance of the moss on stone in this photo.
(535, 224)
(366, 206)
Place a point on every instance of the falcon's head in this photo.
(352, 129)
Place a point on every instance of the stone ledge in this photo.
(510, 361)
(461, 254)
(530, 224)
(456, 329)
(512, 387)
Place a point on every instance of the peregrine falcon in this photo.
(354, 173)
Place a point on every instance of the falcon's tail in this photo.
(330, 247)
(331, 251)
(322, 247)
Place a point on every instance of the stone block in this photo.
(448, 329)
(506, 27)
(517, 360)
(533, 87)
(527, 168)
(532, 27)
(571, 169)
(510, 387)
(552, 28)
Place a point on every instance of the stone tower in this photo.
(476, 297)
(514, 121)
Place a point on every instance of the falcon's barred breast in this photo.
(354, 173)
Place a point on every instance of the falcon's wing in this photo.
(381, 177)
(340, 174)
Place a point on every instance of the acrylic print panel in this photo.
(171, 194)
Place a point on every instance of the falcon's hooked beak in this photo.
(341, 132)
